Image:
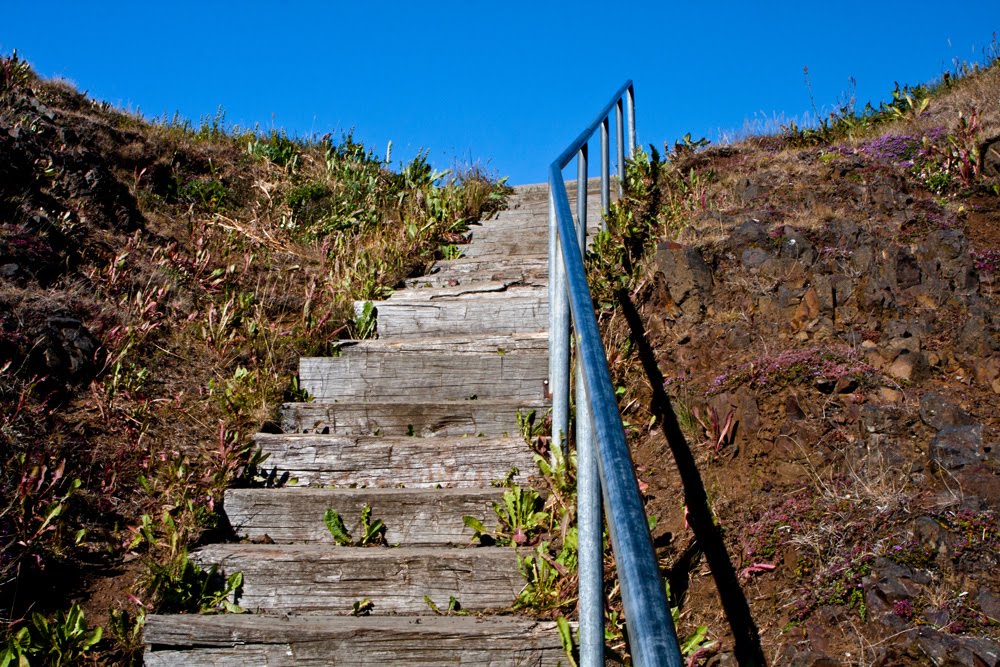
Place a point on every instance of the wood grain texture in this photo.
(325, 460)
(294, 641)
(490, 417)
(497, 313)
(472, 271)
(504, 367)
(323, 578)
(412, 517)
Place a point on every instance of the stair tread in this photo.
(487, 416)
(318, 577)
(316, 459)
(282, 640)
(412, 517)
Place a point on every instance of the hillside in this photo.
(822, 307)
(158, 283)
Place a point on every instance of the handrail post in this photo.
(605, 175)
(558, 332)
(590, 547)
(630, 96)
(621, 147)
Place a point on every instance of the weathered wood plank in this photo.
(499, 313)
(323, 460)
(472, 271)
(412, 517)
(296, 641)
(514, 367)
(490, 417)
(320, 578)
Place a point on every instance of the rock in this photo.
(989, 156)
(938, 412)
(976, 337)
(907, 269)
(957, 447)
(890, 395)
(748, 190)
(910, 366)
(988, 373)
(946, 650)
(750, 233)
(66, 350)
(9, 271)
(893, 581)
(989, 602)
(878, 420)
(754, 258)
(797, 247)
(688, 277)
(726, 659)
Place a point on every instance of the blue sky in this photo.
(508, 84)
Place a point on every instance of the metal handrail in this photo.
(608, 467)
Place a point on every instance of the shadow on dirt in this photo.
(700, 518)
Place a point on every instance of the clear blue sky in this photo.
(507, 83)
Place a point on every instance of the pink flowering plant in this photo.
(793, 367)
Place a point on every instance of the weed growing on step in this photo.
(372, 530)
(454, 607)
(520, 519)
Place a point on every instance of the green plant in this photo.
(530, 427)
(547, 582)
(61, 640)
(566, 638)
(14, 73)
(454, 607)
(180, 586)
(362, 607)
(366, 321)
(209, 194)
(520, 518)
(372, 532)
(277, 149)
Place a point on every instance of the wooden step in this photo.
(412, 517)
(490, 417)
(498, 312)
(328, 460)
(320, 578)
(512, 367)
(298, 641)
(472, 271)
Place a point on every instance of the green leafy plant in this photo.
(181, 586)
(566, 639)
(454, 607)
(372, 531)
(362, 607)
(520, 517)
(547, 582)
(61, 640)
(366, 321)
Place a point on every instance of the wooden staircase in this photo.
(414, 425)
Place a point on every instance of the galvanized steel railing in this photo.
(603, 460)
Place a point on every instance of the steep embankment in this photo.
(825, 316)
